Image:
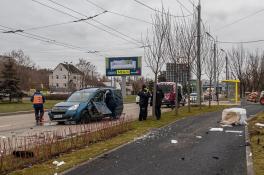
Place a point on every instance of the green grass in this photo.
(23, 106)
(257, 133)
(138, 128)
(130, 99)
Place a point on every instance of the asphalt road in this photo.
(216, 153)
(24, 124)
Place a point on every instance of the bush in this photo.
(57, 96)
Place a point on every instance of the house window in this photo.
(74, 77)
(64, 76)
(60, 69)
(57, 76)
(65, 85)
(57, 85)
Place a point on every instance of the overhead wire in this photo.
(179, 2)
(109, 27)
(47, 40)
(240, 19)
(153, 9)
(119, 14)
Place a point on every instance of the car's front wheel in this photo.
(85, 117)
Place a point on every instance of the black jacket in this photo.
(159, 98)
(144, 97)
(110, 101)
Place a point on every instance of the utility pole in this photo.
(214, 62)
(199, 89)
(227, 77)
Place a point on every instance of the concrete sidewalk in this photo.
(215, 153)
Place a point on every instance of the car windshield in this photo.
(166, 88)
(193, 94)
(79, 97)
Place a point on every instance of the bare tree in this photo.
(156, 50)
(209, 72)
(238, 65)
(88, 70)
(187, 39)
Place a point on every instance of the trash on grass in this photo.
(259, 124)
(174, 141)
(217, 129)
(231, 131)
(199, 137)
(235, 116)
(58, 163)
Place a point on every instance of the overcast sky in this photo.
(26, 14)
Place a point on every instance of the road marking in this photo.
(4, 126)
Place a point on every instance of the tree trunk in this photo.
(189, 86)
(210, 91)
(176, 91)
(154, 96)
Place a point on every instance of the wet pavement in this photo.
(186, 147)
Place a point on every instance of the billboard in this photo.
(123, 66)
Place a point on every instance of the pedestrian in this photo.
(111, 104)
(144, 96)
(38, 101)
(159, 97)
(179, 98)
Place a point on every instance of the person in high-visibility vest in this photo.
(38, 100)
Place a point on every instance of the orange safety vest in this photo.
(38, 99)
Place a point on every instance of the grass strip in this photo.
(130, 99)
(257, 143)
(138, 128)
(25, 105)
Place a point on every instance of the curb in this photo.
(250, 169)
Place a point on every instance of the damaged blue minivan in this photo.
(86, 105)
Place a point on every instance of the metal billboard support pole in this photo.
(123, 87)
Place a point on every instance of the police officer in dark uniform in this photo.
(111, 103)
(143, 103)
(159, 97)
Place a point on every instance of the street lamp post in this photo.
(227, 72)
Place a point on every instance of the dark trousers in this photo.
(143, 113)
(39, 112)
(158, 112)
(113, 115)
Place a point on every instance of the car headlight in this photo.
(73, 108)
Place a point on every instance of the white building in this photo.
(65, 77)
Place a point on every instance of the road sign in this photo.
(123, 66)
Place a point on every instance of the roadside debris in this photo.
(58, 163)
(259, 124)
(174, 141)
(217, 129)
(215, 157)
(234, 116)
(230, 126)
(199, 137)
(231, 131)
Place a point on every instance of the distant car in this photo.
(193, 97)
(261, 100)
(85, 105)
